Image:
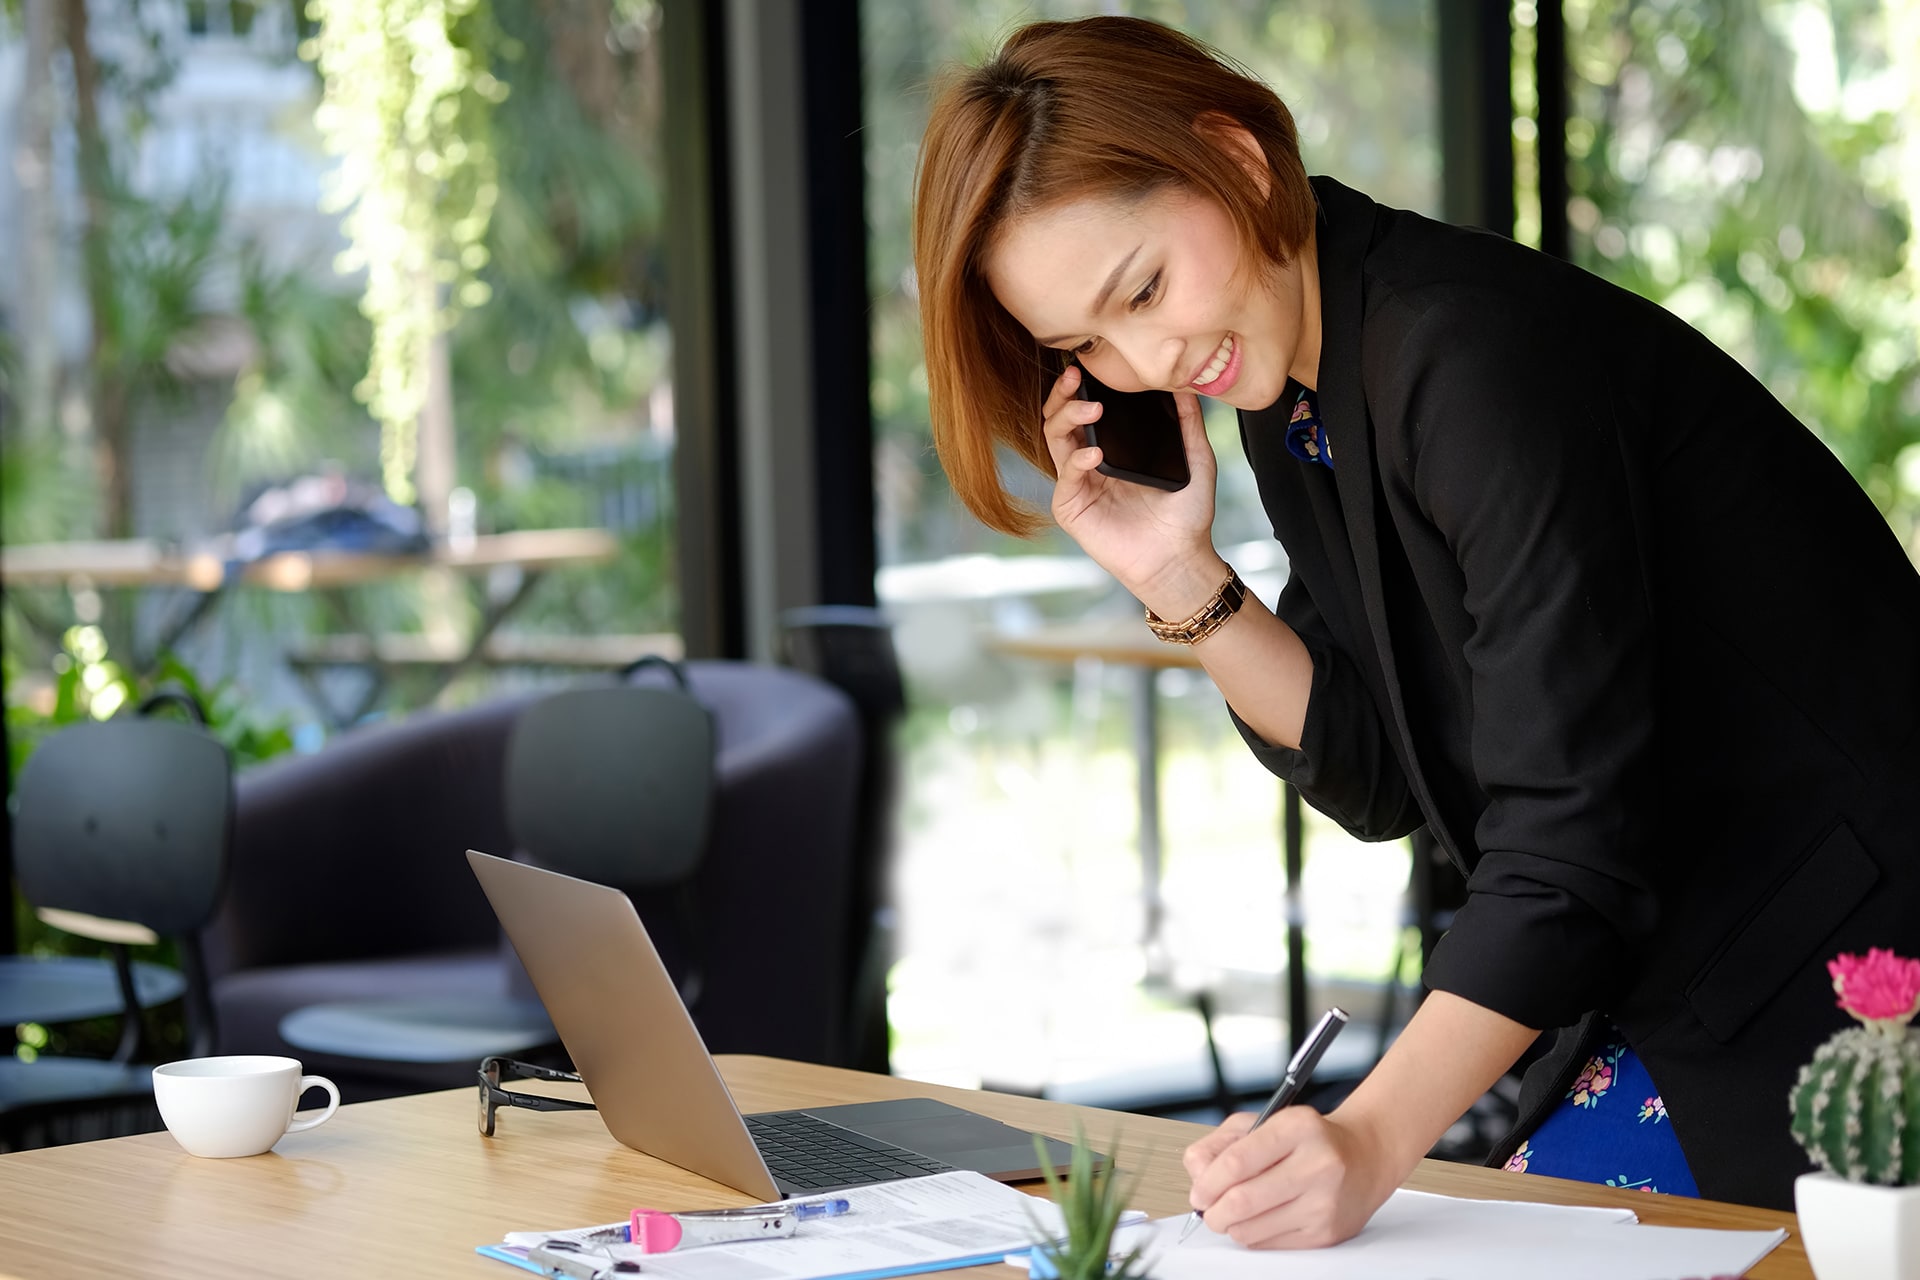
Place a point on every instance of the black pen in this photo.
(1299, 1071)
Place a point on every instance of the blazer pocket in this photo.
(1780, 936)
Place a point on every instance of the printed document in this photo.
(891, 1228)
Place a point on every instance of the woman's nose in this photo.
(1149, 364)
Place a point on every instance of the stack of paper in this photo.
(1444, 1238)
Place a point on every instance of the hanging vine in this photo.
(407, 109)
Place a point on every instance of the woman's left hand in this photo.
(1300, 1181)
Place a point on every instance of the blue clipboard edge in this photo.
(515, 1256)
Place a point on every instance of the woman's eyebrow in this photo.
(1106, 291)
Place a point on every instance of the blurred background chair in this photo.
(121, 835)
(350, 881)
(610, 784)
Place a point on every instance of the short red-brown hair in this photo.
(1104, 107)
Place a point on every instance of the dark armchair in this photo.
(348, 878)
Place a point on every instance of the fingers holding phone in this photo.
(1064, 418)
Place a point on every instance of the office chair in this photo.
(852, 646)
(610, 783)
(121, 835)
(616, 786)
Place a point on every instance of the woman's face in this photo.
(1149, 294)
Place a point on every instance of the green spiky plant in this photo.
(1856, 1106)
(1090, 1201)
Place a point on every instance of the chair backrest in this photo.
(613, 783)
(850, 646)
(127, 820)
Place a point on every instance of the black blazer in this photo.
(1587, 601)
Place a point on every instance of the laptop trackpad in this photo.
(963, 1139)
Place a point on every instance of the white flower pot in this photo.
(1856, 1231)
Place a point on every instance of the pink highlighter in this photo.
(658, 1232)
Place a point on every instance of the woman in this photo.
(1568, 587)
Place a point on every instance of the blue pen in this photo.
(806, 1210)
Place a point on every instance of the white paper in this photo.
(1416, 1234)
(889, 1226)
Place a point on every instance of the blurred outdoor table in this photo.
(1127, 643)
(204, 574)
(204, 568)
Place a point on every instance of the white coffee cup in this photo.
(235, 1106)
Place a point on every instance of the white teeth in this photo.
(1218, 365)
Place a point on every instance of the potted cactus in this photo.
(1856, 1110)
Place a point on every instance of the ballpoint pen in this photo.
(1299, 1071)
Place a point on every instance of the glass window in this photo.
(216, 361)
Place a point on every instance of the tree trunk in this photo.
(106, 373)
(33, 162)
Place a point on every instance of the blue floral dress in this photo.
(1611, 1128)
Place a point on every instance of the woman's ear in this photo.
(1229, 135)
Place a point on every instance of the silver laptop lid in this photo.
(622, 1021)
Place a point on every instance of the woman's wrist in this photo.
(1391, 1151)
(1183, 586)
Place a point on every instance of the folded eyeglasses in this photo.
(492, 1097)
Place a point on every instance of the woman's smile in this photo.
(1220, 371)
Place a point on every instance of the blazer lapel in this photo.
(1345, 230)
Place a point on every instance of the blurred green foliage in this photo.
(1749, 166)
(559, 379)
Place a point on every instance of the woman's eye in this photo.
(1147, 294)
(1085, 347)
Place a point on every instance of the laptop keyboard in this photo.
(806, 1153)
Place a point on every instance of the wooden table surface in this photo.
(407, 1187)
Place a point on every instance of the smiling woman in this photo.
(1568, 587)
(1003, 143)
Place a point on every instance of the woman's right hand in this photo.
(1159, 545)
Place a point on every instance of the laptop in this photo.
(649, 1073)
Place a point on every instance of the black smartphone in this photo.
(1138, 433)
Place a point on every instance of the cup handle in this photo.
(333, 1102)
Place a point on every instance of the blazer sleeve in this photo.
(1512, 453)
(1346, 766)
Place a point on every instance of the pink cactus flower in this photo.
(1879, 988)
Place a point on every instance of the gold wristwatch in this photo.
(1209, 618)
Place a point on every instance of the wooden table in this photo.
(410, 1181)
(203, 575)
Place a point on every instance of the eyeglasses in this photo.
(492, 1096)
